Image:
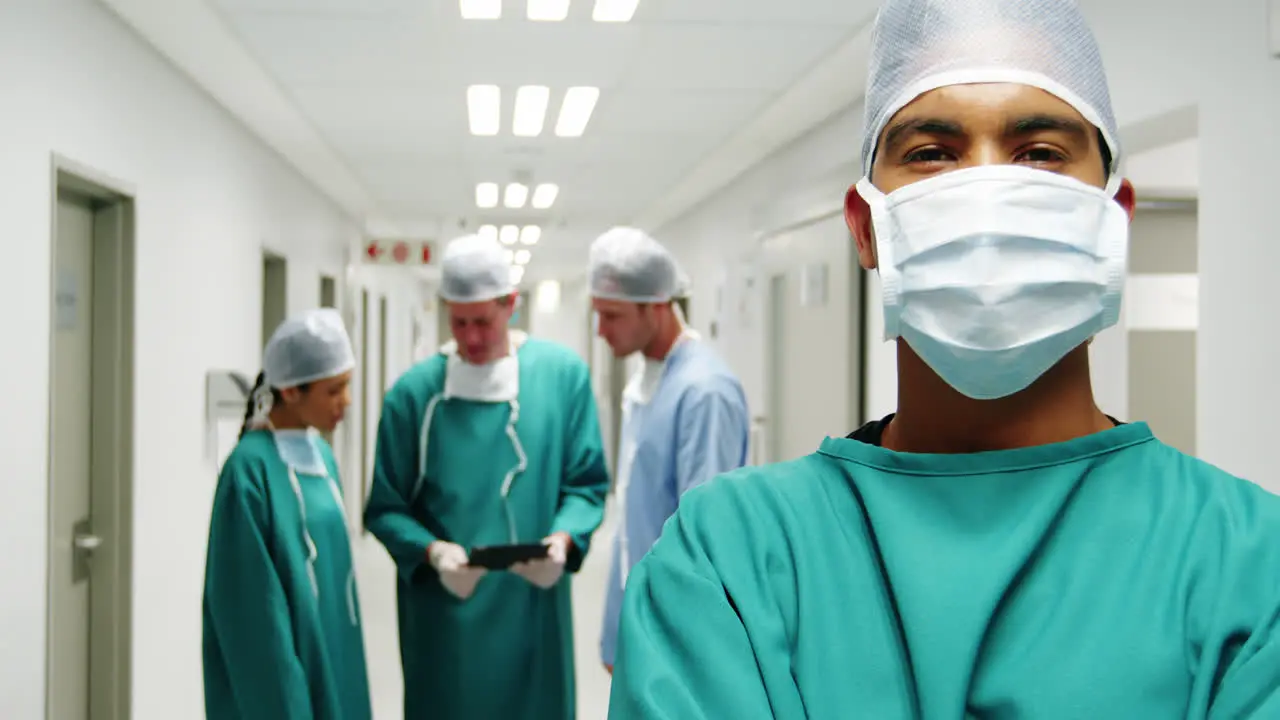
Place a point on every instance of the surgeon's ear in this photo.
(857, 215)
(1127, 198)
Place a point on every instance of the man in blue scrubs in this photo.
(998, 547)
(684, 414)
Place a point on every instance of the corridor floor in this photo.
(377, 595)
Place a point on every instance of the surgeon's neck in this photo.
(668, 333)
(282, 418)
(933, 417)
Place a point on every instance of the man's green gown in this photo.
(1110, 576)
(506, 653)
(277, 647)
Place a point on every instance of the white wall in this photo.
(209, 198)
(1213, 55)
(559, 311)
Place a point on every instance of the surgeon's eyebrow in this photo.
(1031, 124)
(938, 127)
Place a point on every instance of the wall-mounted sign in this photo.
(398, 252)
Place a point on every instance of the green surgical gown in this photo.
(277, 647)
(1110, 576)
(506, 653)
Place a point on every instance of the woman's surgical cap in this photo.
(922, 45)
(626, 264)
(306, 348)
(475, 269)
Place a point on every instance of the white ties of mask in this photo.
(300, 451)
(495, 382)
(993, 274)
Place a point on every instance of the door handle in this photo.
(83, 544)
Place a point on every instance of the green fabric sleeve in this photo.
(395, 473)
(586, 477)
(683, 650)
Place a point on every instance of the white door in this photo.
(70, 462)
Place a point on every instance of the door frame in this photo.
(111, 484)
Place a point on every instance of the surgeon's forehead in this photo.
(983, 108)
(611, 307)
(474, 311)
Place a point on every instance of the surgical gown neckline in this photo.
(991, 461)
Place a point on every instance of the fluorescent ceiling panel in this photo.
(547, 10)
(530, 234)
(486, 195)
(515, 196)
(488, 232)
(511, 256)
(517, 274)
(544, 195)
(481, 9)
(509, 234)
(575, 111)
(614, 10)
(530, 110)
(523, 257)
(484, 109)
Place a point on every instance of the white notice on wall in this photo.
(813, 285)
(66, 299)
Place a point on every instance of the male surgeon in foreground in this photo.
(998, 547)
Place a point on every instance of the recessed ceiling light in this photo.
(523, 257)
(548, 10)
(486, 195)
(484, 109)
(530, 111)
(614, 10)
(488, 232)
(481, 9)
(511, 256)
(509, 234)
(544, 196)
(530, 234)
(517, 274)
(575, 111)
(515, 196)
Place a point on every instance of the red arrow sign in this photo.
(426, 253)
(373, 250)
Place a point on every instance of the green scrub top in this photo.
(506, 653)
(1110, 576)
(276, 645)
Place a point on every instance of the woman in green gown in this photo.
(282, 633)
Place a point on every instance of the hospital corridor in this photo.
(640, 359)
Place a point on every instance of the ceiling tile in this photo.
(772, 12)
(693, 57)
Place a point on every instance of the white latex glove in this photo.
(450, 561)
(546, 572)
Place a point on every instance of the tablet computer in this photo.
(502, 557)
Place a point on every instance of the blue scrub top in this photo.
(695, 427)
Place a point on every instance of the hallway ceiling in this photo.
(368, 98)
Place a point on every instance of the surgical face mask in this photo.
(993, 274)
(300, 450)
(498, 381)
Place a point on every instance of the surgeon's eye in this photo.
(1040, 156)
(927, 155)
